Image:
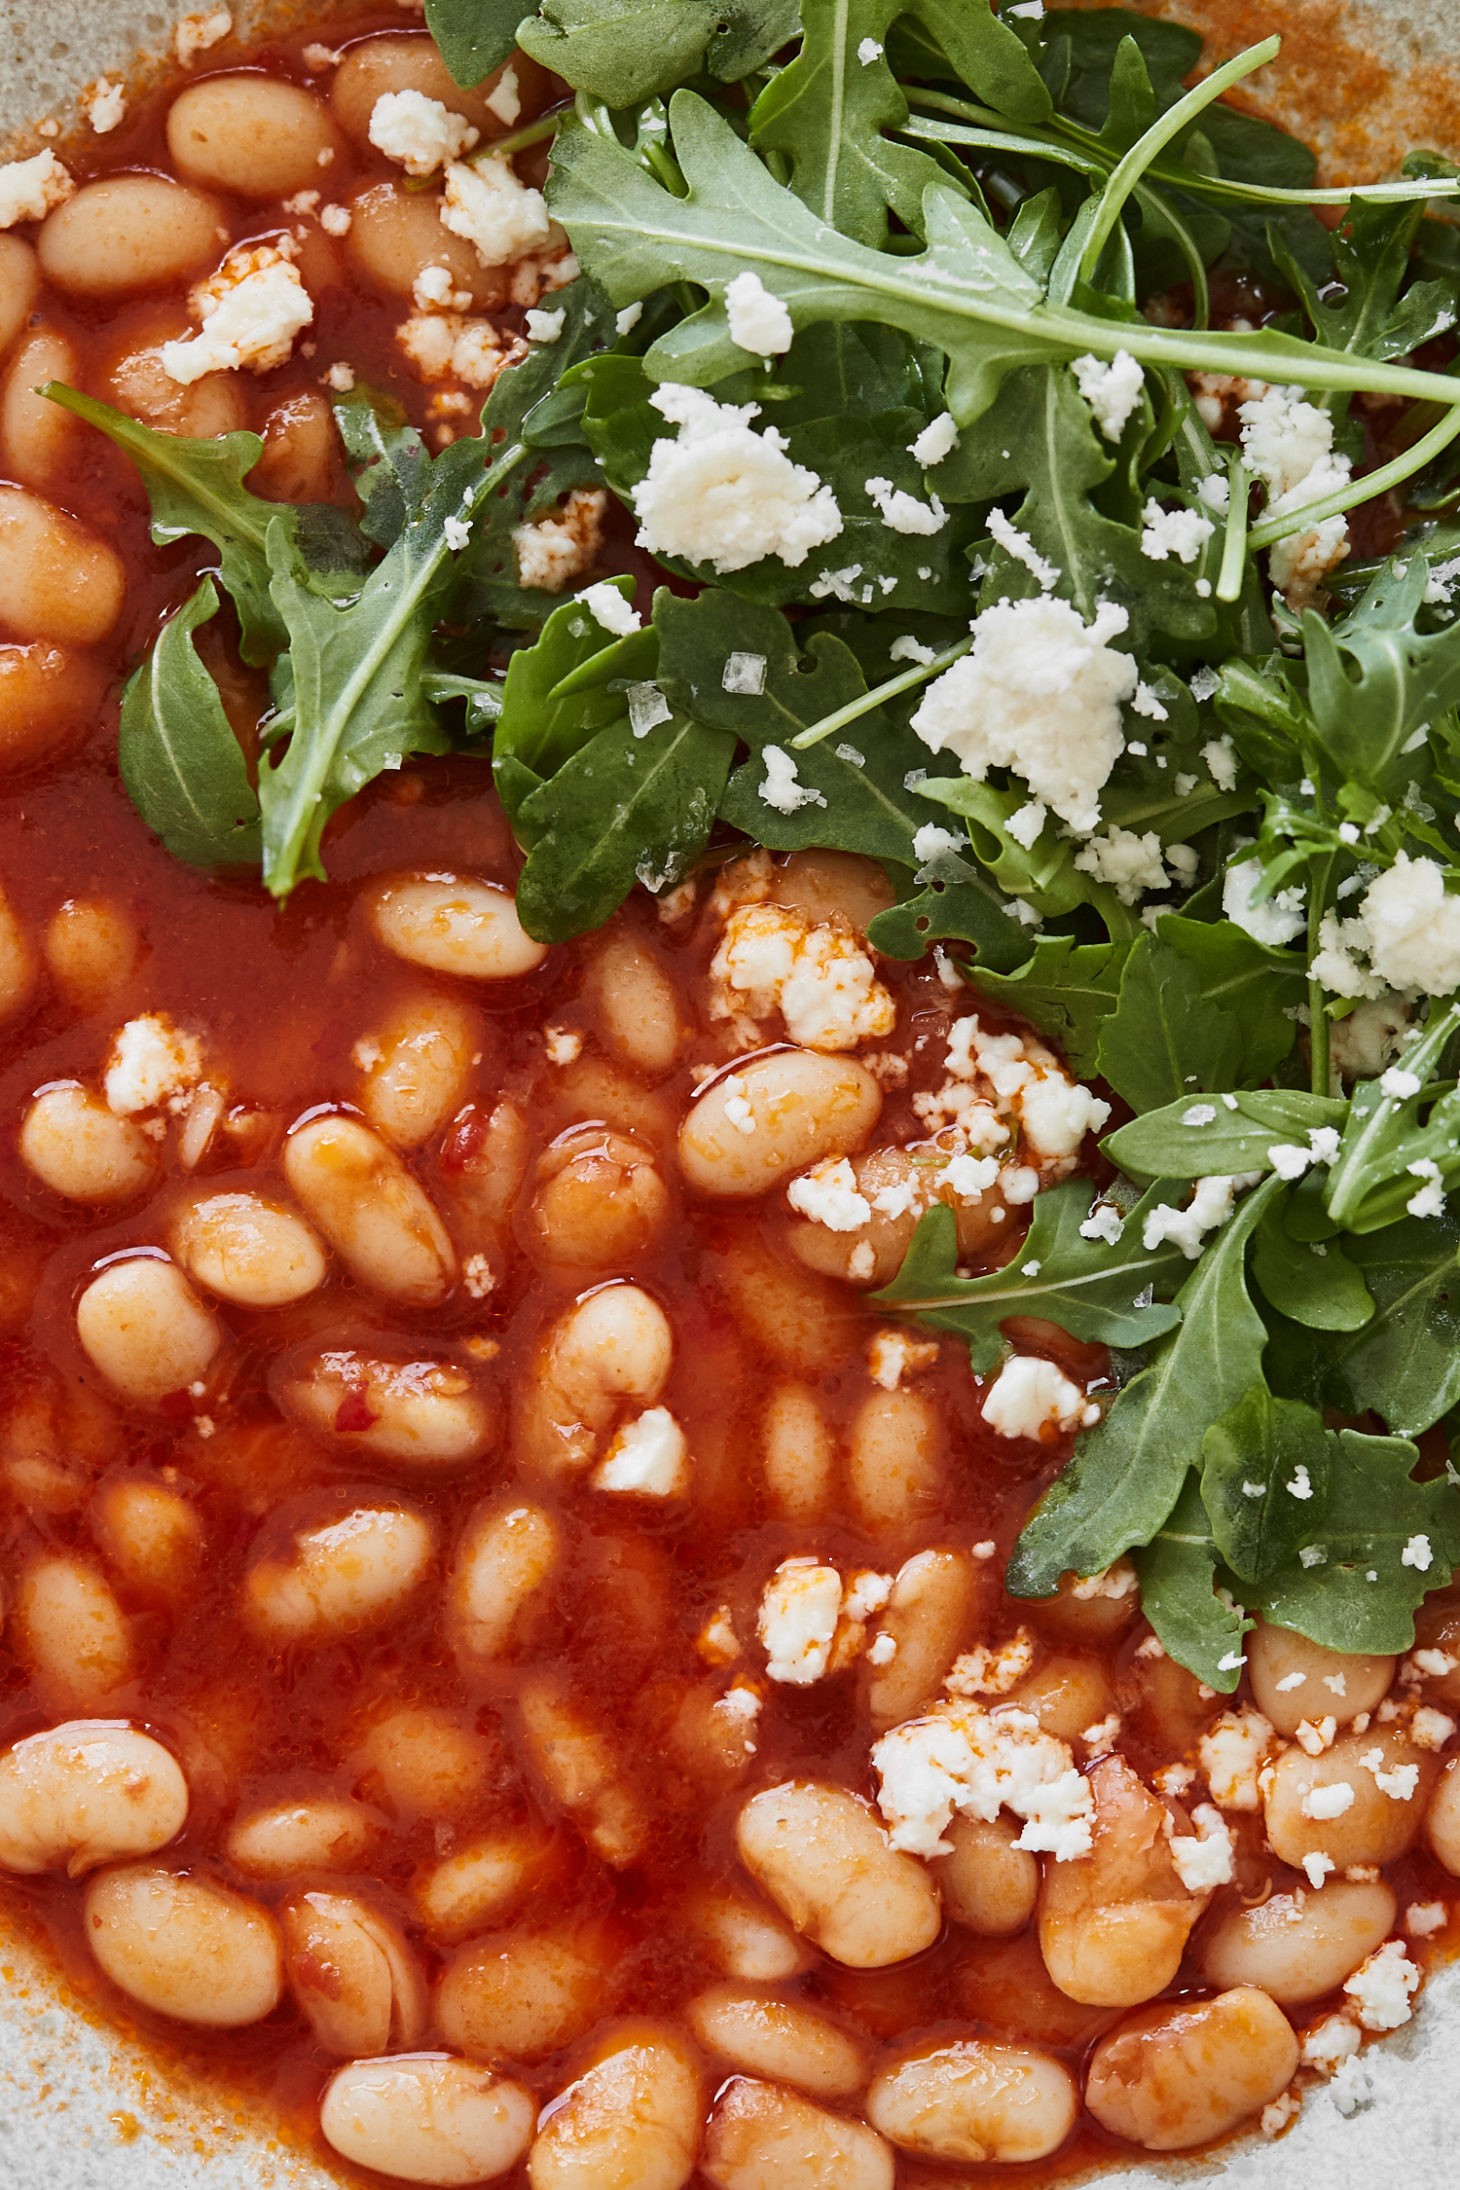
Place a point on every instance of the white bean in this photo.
(752, 1128)
(799, 1452)
(747, 1939)
(636, 1006)
(352, 1974)
(600, 1203)
(506, 1554)
(629, 2121)
(394, 62)
(129, 232)
(933, 1596)
(976, 2100)
(1175, 2076)
(583, 1771)
(92, 948)
(48, 695)
(428, 1762)
(454, 924)
(765, 2035)
(763, 2137)
(148, 1533)
(57, 579)
(989, 1883)
(611, 1346)
(185, 1947)
(1443, 1823)
(78, 1642)
(91, 1791)
(36, 435)
(483, 1883)
(326, 1833)
(1113, 1924)
(137, 381)
(896, 1460)
(302, 451)
(1335, 1684)
(1375, 1826)
(824, 1857)
(339, 1576)
(422, 1413)
(394, 233)
(371, 1210)
(146, 1330)
(247, 1250)
(17, 961)
(425, 2117)
(1297, 1946)
(420, 1065)
(522, 1994)
(20, 278)
(80, 1149)
(250, 134)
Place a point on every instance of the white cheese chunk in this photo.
(29, 189)
(251, 310)
(799, 1609)
(1030, 1395)
(648, 1456)
(718, 492)
(152, 1063)
(499, 216)
(759, 322)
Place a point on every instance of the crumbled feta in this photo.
(251, 310)
(1230, 1752)
(1327, 2043)
(29, 189)
(1318, 1867)
(104, 105)
(774, 957)
(717, 1641)
(610, 609)
(905, 648)
(196, 34)
(341, 378)
(627, 320)
(1275, 920)
(1418, 1554)
(718, 492)
(759, 321)
(977, 1762)
(1381, 1987)
(781, 787)
(1019, 545)
(1216, 491)
(827, 1195)
(903, 512)
(1278, 2112)
(152, 1063)
(1204, 1860)
(1127, 863)
(1113, 1583)
(501, 218)
(938, 439)
(456, 532)
(1399, 1784)
(882, 1649)
(992, 1669)
(1351, 2084)
(745, 673)
(546, 326)
(1030, 1395)
(1321, 1803)
(419, 133)
(1429, 1728)
(868, 51)
(1422, 1919)
(1413, 925)
(648, 1456)
(1179, 532)
(1111, 388)
(1289, 444)
(1209, 1208)
(1104, 1222)
(478, 1276)
(737, 1105)
(799, 1609)
(892, 1355)
(557, 548)
(505, 97)
(563, 1045)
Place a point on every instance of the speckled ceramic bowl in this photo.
(83, 2107)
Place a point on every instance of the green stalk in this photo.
(1365, 489)
(531, 133)
(920, 673)
(1319, 1068)
(1234, 547)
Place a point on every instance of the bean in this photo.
(249, 134)
(1375, 1827)
(371, 1210)
(126, 233)
(1066, 1695)
(88, 1792)
(427, 1762)
(750, 1129)
(520, 1994)
(583, 1773)
(146, 1330)
(747, 1939)
(83, 1151)
(57, 579)
(1297, 1946)
(1004, 1985)
(484, 1883)
(976, 2100)
(824, 885)
(802, 1323)
(453, 923)
(1443, 1823)
(766, 2035)
(91, 949)
(37, 437)
(932, 1601)
(395, 62)
(506, 1554)
(629, 2121)
(340, 1576)
(185, 1947)
(137, 381)
(611, 1346)
(424, 2117)
(1113, 1924)
(247, 1250)
(825, 1859)
(20, 278)
(761, 2137)
(421, 1065)
(78, 1642)
(1092, 1613)
(798, 1452)
(1336, 1684)
(635, 1006)
(1172, 2077)
(484, 1162)
(302, 452)
(148, 1533)
(394, 233)
(352, 1974)
(989, 1882)
(423, 1413)
(600, 1203)
(895, 1460)
(17, 961)
(325, 1833)
(48, 694)
(594, 1088)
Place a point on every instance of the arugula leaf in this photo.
(560, 692)
(1405, 1361)
(621, 51)
(1165, 1039)
(475, 36)
(1246, 1126)
(179, 759)
(1127, 1473)
(956, 903)
(749, 33)
(1067, 989)
(1311, 1281)
(1251, 1458)
(1198, 1623)
(1374, 680)
(1259, 988)
(1372, 1180)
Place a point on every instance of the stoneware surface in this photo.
(84, 2108)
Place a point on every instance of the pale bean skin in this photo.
(1066, 1695)
(145, 1329)
(763, 2137)
(635, 1006)
(74, 1145)
(798, 1453)
(1274, 1654)
(89, 1792)
(128, 233)
(326, 1833)
(20, 278)
(394, 232)
(1092, 1622)
(185, 1947)
(484, 1883)
(137, 381)
(453, 923)
(748, 1940)
(424, 1414)
(507, 1554)
(976, 2100)
(370, 1209)
(824, 1858)
(1113, 1924)
(802, 1323)
(896, 1460)
(592, 1087)
(150, 1535)
(301, 454)
(988, 1883)
(57, 579)
(599, 1203)
(1168, 2078)
(613, 1345)
(38, 437)
(248, 1251)
(1442, 1826)
(629, 2121)
(250, 134)
(763, 2034)
(352, 1975)
(427, 1762)
(582, 1771)
(802, 1106)
(394, 62)
(427, 2118)
(519, 1995)
(17, 961)
(821, 884)
(1296, 1946)
(91, 950)
(483, 1164)
(1374, 1829)
(978, 1221)
(932, 1601)
(48, 694)
(340, 1576)
(80, 1645)
(422, 1068)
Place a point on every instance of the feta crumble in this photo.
(418, 133)
(892, 1355)
(938, 439)
(1382, 1987)
(781, 788)
(1288, 443)
(1417, 1553)
(505, 98)
(977, 1762)
(1322, 1803)
(1179, 532)
(1230, 1753)
(827, 1195)
(152, 1063)
(648, 1456)
(29, 189)
(197, 34)
(1204, 1860)
(610, 609)
(1209, 1208)
(759, 321)
(546, 326)
(719, 492)
(251, 310)
(627, 320)
(1275, 920)
(775, 958)
(1127, 863)
(1030, 1395)
(903, 512)
(501, 218)
(557, 548)
(104, 105)
(799, 1609)
(1111, 388)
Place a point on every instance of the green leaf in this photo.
(475, 36)
(1311, 1281)
(561, 691)
(1405, 1362)
(749, 33)
(1250, 1459)
(963, 908)
(1163, 1145)
(1165, 1039)
(621, 809)
(1088, 1287)
(1375, 681)
(1385, 1135)
(621, 51)
(1198, 1624)
(1259, 988)
(1127, 1473)
(179, 759)
(1067, 989)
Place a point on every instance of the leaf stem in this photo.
(531, 133)
(920, 673)
(1234, 547)
(1363, 489)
